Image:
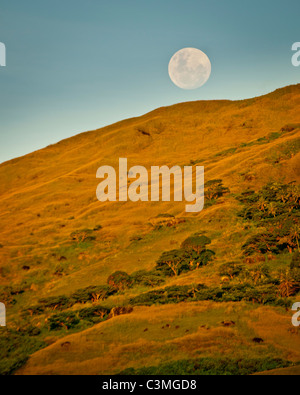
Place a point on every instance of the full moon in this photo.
(189, 68)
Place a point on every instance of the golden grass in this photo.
(122, 342)
(46, 195)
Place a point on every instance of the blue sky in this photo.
(75, 65)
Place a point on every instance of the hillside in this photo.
(57, 241)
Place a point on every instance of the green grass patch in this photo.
(210, 366)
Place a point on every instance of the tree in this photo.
(295, 233)
(231, 269)
(196, 243)
(148, 279)
(258, 274)
(215, 189)
(120, 280)
(288, 284)
(170, 262)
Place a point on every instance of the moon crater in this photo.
(189, 68)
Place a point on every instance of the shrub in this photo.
(231, 269)
(92, 293)
(196, 243)
(215, 189)
(295, 264)
(148, 279)
(56, 302)
(120, 281)
(176, 262)
(262, 243)
(289, 283)
(257, 274)
(276, 208)
(80, 236)
(15, 348)
(174, 294)
(94, 314)
(172, 263)
(266, 293)
(211, 366)
(89, 294)
(66, 320)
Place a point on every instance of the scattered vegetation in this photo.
(192, 255)
(295, 264)
(15, 347)
(266, 293)
(120, 281)
(215, 189)
(84, 235)
(210, 366)
(84, 317)
(275, 209)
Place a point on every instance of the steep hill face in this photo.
(57, 238)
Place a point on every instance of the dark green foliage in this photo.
(262, 243)
(94, 314)
(275, 208)
(265, 293)
(56, 302)
(248, 197)
(66, 320)
(215, 189)
(62, 302)
(172, 263)
(210, 366)
(33, 310)
(231, 269)
(175, 294)
(73, 319)
(258, 274)
(148, 279)
(295, 264)
(120, 281)
(205, 257)
(192, 255)
(15, 347)
(100, 292)
(289, 282)
(176, 262)
(196, 243)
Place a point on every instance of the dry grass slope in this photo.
(48, 194)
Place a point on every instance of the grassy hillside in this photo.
(222, 297)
